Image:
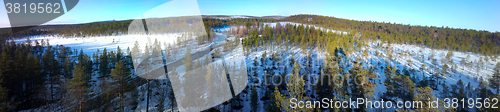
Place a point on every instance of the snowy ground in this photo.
(401, 54)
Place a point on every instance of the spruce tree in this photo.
(135, 52)
(104, 62)
(119, 54)
(67, 67)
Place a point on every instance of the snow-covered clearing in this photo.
(90, 45)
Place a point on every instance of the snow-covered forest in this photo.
(302, 57)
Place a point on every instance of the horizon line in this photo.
(53, 24)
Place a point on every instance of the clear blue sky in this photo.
(478, 15)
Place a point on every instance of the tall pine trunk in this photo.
(147, 94)
(80, 102)
(120, 96)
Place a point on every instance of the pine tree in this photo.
(468, 57)
(121, 76)
(389, 72)
(445, 70)
(210, 79)
(188, 60)
(425, 95)
(171, 94)
(5, 103)
(255, 100)
(446, 91)
(364, 88)
(174, 79)
(155, 52)
(160, 95)
(483, 90)
(295, 88)
(463, 62)
(6, 65)
(19, 68)
(325, 87)
(274, 106)
(34, 79)
(495, 78)
(399, 86)
(106, 94)
(458, 92)
(406, 87)
(449, 55)
(422, 68)
(78, 87)
(49, 69)
(67, 67)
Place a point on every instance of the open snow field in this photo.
(91, 44)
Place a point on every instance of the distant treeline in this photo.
(107, 28)
(482, 42)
